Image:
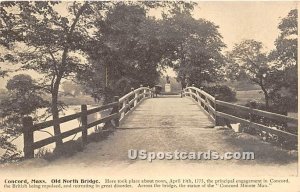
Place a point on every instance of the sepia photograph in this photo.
(148, 96)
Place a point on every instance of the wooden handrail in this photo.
(211, 106)
(101, 108)
(126, 96)
(278, 132)
(258, 112)
(203, 99)
(202, 92)
(128, 105)
(29, 128)
(64, 119)
(49, 140)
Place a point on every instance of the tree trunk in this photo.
(55, 114)
(266, 97)
(183, 84)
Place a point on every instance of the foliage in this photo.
(276, 72)
(286, 44)
(222, 92)
(9, 32)
(23, 98)
(193, 48)
(285, 58)
(248, 59)
(125, 50)
(52, 41)
(11, 152)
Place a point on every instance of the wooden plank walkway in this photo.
(167, 112)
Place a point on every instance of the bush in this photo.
(11, 153)
(283, 104)
(223, 92)
(256, 105)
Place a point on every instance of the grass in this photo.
(242, 85)
(244, 96)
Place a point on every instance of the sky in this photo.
(246, 20)
(241, 20)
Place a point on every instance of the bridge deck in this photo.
(166, 125)
(174, 112)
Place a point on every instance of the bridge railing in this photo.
(224, 113)
(131, 100)
(119, 108)
(205, 100)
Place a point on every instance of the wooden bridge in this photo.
(193, 120)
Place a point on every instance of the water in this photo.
(48, 132)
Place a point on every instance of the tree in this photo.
(24, 97)
(53, 42)
(9, 33)
(247, 58)
(125, 48)
(193, 48)
(128, 47)
(285, 58)
(286, 52)
(20, 84)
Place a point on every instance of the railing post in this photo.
(145, 93)
(202, 95)
(136, 94)
(123, 106)
(192, 95)
(131, 105)
(84, 124)
(142, 92)
(148, 91)
(251, 116)
(28, 137)
(184, 92)
(197, 98)
(252, 106)
(217, 118)
(116, 110)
